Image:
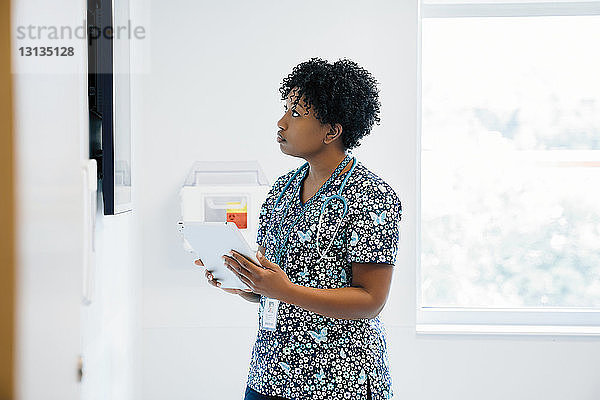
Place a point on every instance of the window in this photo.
(510, 168)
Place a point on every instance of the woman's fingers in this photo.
(232, 291)
(240, 276)
(213, 282)
(211, 279)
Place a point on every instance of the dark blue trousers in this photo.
(252, 394)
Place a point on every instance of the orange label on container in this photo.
(237, 215)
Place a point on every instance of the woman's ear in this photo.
(334, 133)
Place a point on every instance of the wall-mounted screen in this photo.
(109, 95)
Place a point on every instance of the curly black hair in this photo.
(342, 92)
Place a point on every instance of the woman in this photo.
(325, 274)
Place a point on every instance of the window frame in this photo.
(496, 321)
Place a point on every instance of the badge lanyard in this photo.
(269, 315)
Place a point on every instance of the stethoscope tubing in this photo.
(279, 251)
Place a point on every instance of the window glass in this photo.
(510, 162)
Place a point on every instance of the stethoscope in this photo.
(279, 251)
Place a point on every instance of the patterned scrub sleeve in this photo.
(374, 226)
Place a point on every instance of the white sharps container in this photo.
(221, 191)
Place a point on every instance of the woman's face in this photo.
(301, 132)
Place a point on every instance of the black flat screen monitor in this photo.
(109, 96)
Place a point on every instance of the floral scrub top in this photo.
(308, 355)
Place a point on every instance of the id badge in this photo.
(269, 317)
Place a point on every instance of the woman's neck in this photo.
(321, 166)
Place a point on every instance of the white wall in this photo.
(111, 324)
(208, 91)
(49, 146)
(49, 229)
(51, 126)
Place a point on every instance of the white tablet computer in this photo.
(212, 240)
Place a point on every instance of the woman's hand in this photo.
(216, 283)
(267, 279)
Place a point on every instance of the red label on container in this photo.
(239, 218)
